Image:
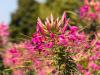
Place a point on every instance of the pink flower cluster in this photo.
(45, 45)
(23, 56)
(4, 33)
(90, 10)
(88, 61)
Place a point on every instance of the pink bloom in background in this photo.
(12, 57)
(83, 10)
(90, 10)
(4, 33)
(93, 66)
(87, 73)
(92, 15)
(18, 72)
(4, 30)
(98, 44)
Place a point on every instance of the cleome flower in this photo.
(52, 26)
(56, 48)
(90, 9)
